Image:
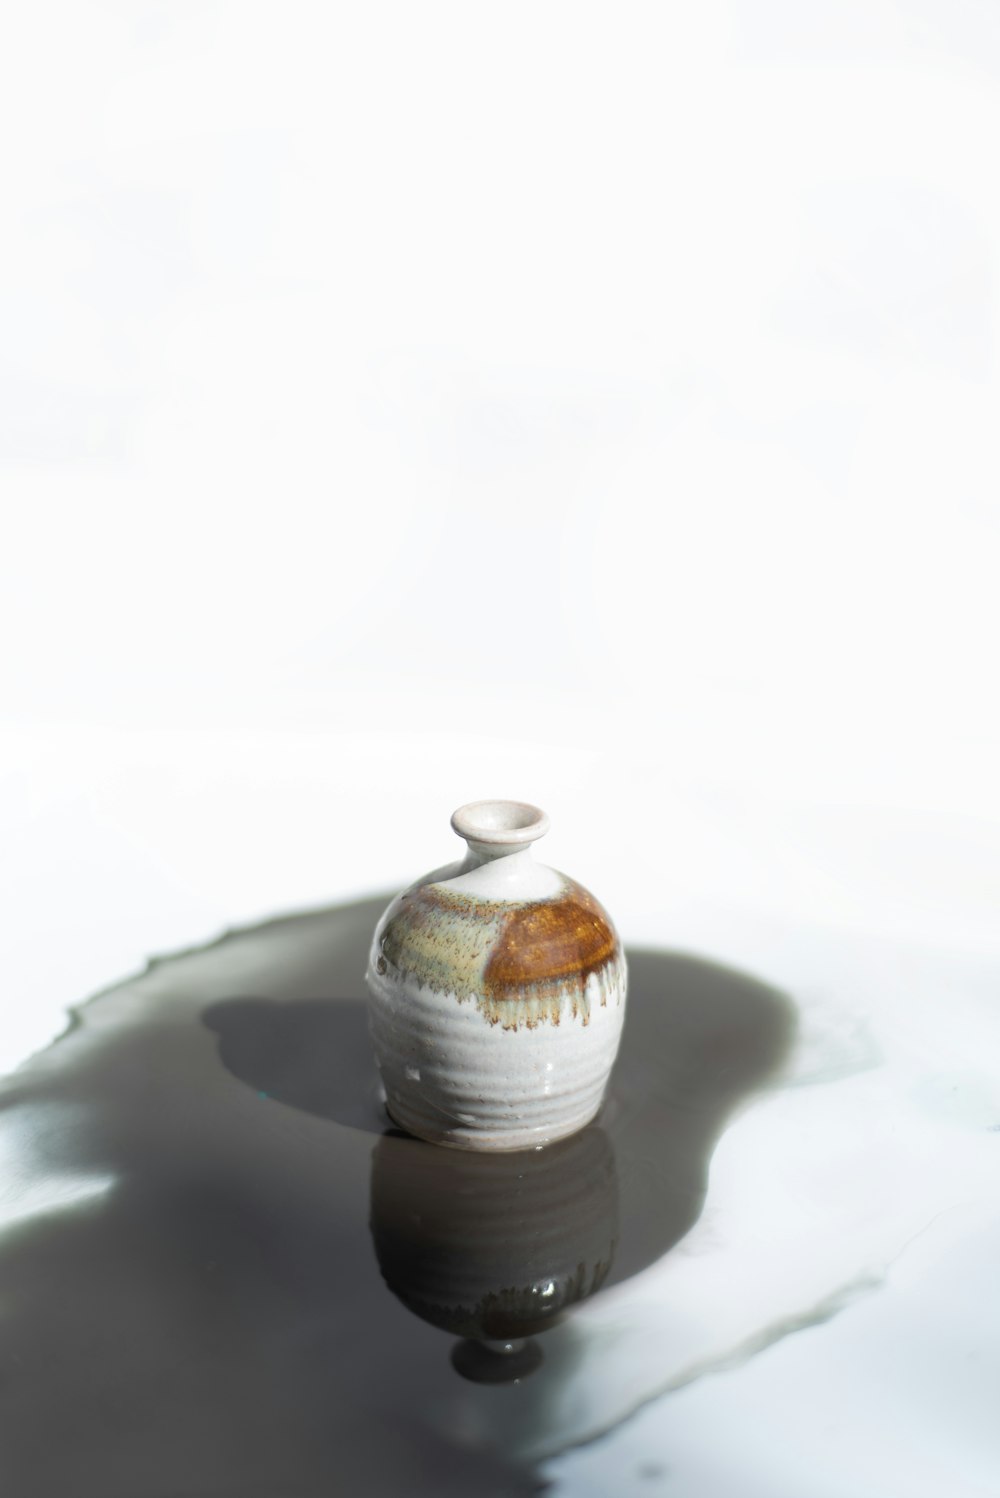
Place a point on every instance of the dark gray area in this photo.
(263, 1293)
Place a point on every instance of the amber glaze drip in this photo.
(521, 962)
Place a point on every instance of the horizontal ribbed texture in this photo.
(452, 1077)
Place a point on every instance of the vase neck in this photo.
(499, 833)
(479, 853)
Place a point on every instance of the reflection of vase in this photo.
(494, 1246)
(496, 993)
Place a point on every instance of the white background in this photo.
(404, 403)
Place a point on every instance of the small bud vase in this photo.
(496, 993)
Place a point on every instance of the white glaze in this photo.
(451, 1076)
(459, 1066)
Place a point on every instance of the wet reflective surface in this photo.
(237, 1278)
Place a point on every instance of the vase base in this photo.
(494, 1141)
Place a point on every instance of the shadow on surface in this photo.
(198, 1305)
(698, 1037)
(313, 1054)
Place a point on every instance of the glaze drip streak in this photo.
(523, 963)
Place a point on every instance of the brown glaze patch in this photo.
(551, 943)
(522, 964)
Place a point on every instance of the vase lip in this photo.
(507, 824)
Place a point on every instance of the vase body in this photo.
(496, 993)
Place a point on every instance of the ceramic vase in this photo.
(496, 993)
